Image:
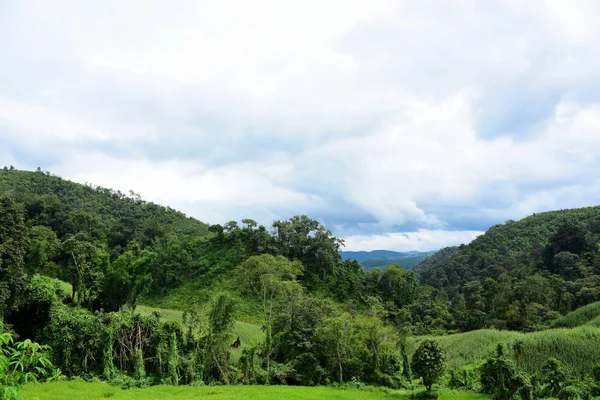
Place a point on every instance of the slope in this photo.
(513, 244)
(69, 207)
(577, 347)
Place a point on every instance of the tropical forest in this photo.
(106, 295)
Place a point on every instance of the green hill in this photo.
(520, 275)
(505, 245)
(70, 207)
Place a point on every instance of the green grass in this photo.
(95, 391)
(578, 348)
(586, 315)
(197, 294)
(250, 334)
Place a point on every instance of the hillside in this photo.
(576, 348)
(382, 258)
(520, 275)
(70, 207)
(515, 242)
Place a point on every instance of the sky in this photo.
(400, 125)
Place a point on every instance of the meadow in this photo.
(94, 391)
(99, 390)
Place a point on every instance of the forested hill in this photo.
(515, 244)
(521, 273)
(70, 207)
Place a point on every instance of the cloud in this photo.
(381, 119)
(421, 240)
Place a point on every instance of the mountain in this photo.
(368, 255)
(383, 258)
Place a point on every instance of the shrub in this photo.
(20, 363)
(554, 375)
(500, 378)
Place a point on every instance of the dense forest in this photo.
(76, 260)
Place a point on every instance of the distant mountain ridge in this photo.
(383, 258)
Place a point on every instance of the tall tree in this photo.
(13, 247)
(269, 278)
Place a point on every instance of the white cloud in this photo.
(211, 194)
(422, 240)
(412, 114)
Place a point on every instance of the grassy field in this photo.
(98, 390)
(92, 391)
(586, 315)
(578, 348)
(250, 334)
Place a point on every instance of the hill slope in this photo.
(577, 348)
(505, 245)
(73, 207)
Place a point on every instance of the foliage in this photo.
(20, 363)
(554, 375)
(500, 378)
(97, 390)
(13, 244)
(428, 362)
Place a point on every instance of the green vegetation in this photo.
(95, 391)
(20, 363)
(586, 315)
(156, 298)
(577, 348)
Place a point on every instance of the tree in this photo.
(500, 378)
(428, 362)
(336, 335)
(43, 246)
(13, 246)
(398, 285)
(221, 320)
(128, 277)
(269, 278)
(304, 239)
(85, 267)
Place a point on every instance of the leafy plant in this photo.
(20, 363)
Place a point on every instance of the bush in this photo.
(20, 363)
(574, 392)
(426, 395)
(462, 379)
(500, 378)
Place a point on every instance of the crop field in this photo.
(586, 315)
(577, 347)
